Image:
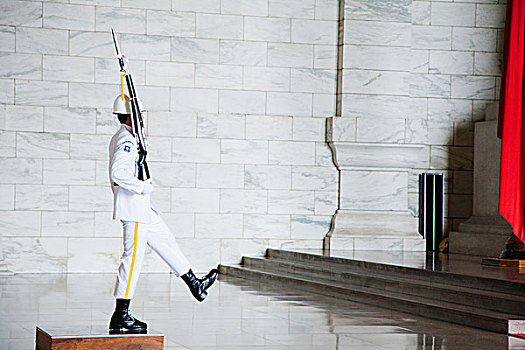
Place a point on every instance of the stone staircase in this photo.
(479, 302)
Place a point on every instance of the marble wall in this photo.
(237, 93)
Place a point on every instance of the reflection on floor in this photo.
(238, 314)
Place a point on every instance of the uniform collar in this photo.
(127, 127)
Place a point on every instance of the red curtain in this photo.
(510, 127)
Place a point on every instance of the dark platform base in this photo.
(94, 339)
(519, 264)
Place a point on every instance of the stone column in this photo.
(485, 232)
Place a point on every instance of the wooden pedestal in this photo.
(93, 339)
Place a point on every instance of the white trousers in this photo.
(159, 237)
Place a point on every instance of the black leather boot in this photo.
(122, 321)
(198, 286)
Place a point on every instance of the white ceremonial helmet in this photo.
(121, 105)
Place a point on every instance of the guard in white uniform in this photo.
(142, 225)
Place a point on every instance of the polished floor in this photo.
(238, 314)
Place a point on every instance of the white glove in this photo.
(148, 188)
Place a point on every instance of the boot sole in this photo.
(128, 331)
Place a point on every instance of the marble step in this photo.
(488, 300)
(440, 310)
(409, 273)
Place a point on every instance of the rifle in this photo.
(137, 124)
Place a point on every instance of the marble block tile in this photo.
(376, 57)
(292, 8)
(220, 175)
(8, 143)
(85, 146)
(113, 3)
(421, 12)
(170, 74)
(107, 71)
(166, 174)
(474, 39)
(464, 134)
(92, 95)
(194, 200)
(309, 129)
(459, 205)
(429, 85)
(268, 127)
(159, 149)
(24, 118)
(7, 91)
(453, 14)
(449, 109)
(489, 15)
(305, 31)
(147, 47)
(218, 76)
(93, 254)
(416, 131)
(290, 202)
(194, 50)
(266, 78)
(244, 152)
(46, 145)
(396, 11)
(455, 158)
(313, 80)
(229, 126)
(364, 243)
(21, 170)
(172, 124)
(267, 177)
(326, 203)
(327, 9)
(244, 201)
(21, 13)
(170, 23)
(218, 225)
(267, 29)
(36, 255)
(157, 5)
(463, 182)
(238, 101)
(290, 55)
(201, 252)
(451, 62)
(90, 198)
(107, 122)
(243, 52)
(194, 100)
(219, 26)
(181, 225)
(69, 172)
(63, 16)
(440, 132)
(385, 131)
(65, 68)
(419, 60)
(266, 226)
(325, 56)
(292, 153)
(7, 197)
(91, 44)
(384, 106)
(67, 223)
(154, 97)
(376, 33)
(473, 87)
(375, 82)
(310, 226)
(19, 223)
(41, 197)
(124, 20)
(369, 190)
(41, 93)
(196, 150)
(289, 103)
(162, 198)
(44, 41)
(314, 178)
(341, 129)
(207, 6)
(232, 250)
(323, 155)
(431, 37)
(245, 7)
(487, 63)
(7, 38)
(102, 172)
(70, 120)
(324, 105)
(296, 244)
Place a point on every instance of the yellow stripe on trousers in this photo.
(132, 259)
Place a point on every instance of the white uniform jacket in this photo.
(129, 202)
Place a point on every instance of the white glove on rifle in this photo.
(148, 187)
